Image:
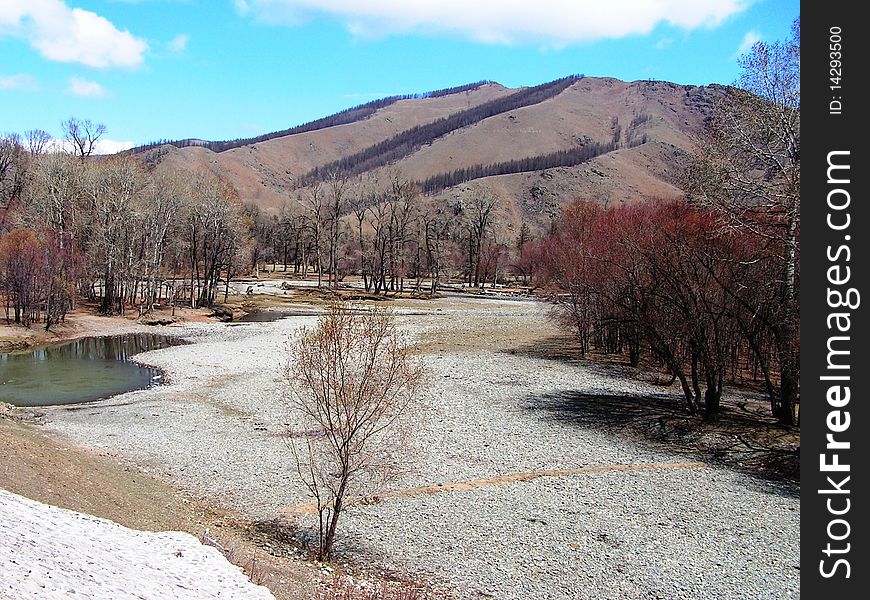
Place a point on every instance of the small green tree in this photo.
(353, 380)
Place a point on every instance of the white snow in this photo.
(48, 552)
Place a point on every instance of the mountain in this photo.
(536, 147)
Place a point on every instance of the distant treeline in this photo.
(349, 115)
(411, 140)
(562, 158)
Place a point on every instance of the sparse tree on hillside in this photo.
(353, 381)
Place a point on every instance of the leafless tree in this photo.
(365, 193)
(337, 186)
(749, 171)
(353, 383)
(83, 134)
(157, 208)
(112, 190)
(478, 206)
(436, 229)
(13, 170)
(56, 195)
(314, 201)
(215, 232)
(401, 198)
(37, 140)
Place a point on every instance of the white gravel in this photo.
(670, 533)
(49, 553)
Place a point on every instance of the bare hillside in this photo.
(651, 123)
(626, 175)
(264, 173)
(584, 112)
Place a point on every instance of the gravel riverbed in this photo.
(680, 532)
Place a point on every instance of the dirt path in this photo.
(473, 484)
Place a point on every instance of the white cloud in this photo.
(86, 89)
(749, 40)
(18, 82)
(178, 44)
(553, 22)
(65, 34)
(104, 146)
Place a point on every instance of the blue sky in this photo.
(221, 69)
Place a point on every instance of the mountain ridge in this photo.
(629, 116)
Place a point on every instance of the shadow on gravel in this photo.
(743, 437)
(286, 537)
(563, 348)
(281, 537)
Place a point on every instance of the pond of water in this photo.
(266, 316)
(83, 370)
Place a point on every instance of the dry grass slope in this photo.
(669, 115)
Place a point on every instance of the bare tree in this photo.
(401, 199)
(336, 206)
(13, 170)
(478, 206)
(436, 230)
(56, 194)
(364, 194)
(315, 206)
(749, 171)
(214, 234)
(83, 135)
(37, 140)
(353, 380)
(112, 191)
(157, 207)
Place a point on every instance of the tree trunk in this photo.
(789, 372)
(326, 547)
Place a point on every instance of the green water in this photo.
(267, 316)
(84, 370)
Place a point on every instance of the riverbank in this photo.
(85, 322)
(605, 515)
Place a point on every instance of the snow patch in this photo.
(49, 552)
